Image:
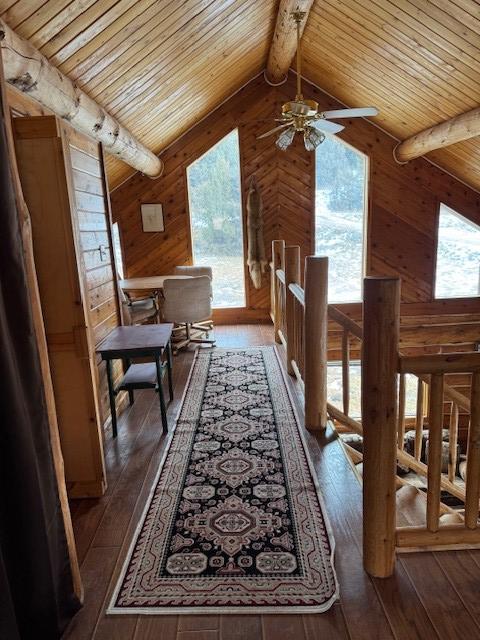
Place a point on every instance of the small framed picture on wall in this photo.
(152, 218)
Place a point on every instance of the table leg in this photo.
(169, 369)
(126, 366)
(111, 395)
(160, 394)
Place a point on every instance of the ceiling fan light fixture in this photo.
(285, 139)
(312, 138)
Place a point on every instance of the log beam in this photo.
(462, 127)
(29, 71)
(284, 42)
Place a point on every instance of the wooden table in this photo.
(139, 341)
(149, 283)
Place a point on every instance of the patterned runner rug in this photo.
(234, 523)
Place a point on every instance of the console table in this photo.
(139, 341)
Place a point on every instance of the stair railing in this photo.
(301, 318)
(300, 324)
(383, 413)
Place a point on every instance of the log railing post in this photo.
(381, 319)
(278, 257)
(473, 456)
(315, 341)
(292, 276)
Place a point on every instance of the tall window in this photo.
(340, 203)
(216, 219)
(458, 256)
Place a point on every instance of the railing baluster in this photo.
(452, 442)
(345, 372)
(401, 411)
(278, 251)
(435, 427)
(292, 275)
(473, 456)
(419, 419)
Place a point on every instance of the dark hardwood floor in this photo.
(432, 595)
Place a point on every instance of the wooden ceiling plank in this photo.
(409, 110)
(20, 11)
(413, 43)
(130, 63)
(469, 14)
(343, 85)
(5, 6)
(118, 30)
(40, 17)
(82, 27)
(444, 24)
(58, 23)
(284, 42)
(435, 33)
(156, 59)
(172, 101)
(432, 84)
(200, 52)
(94, 60)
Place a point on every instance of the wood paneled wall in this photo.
(93, 212)
(403, 199)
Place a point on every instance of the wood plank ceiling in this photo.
(160, 66)
(418, 61)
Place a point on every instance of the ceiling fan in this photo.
(303, 116)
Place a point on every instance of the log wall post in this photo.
(278, 259)
(292, 275)
(315, 337)
(381, 314)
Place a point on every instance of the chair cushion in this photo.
(140, 376)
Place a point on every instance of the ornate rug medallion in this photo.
(234, 522)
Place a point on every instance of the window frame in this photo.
(191, 162)
(365, 216)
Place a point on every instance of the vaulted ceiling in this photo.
(160, 66)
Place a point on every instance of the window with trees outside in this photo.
(458, 256)
(340, 204)
(215, 204)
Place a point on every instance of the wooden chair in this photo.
(188, 304)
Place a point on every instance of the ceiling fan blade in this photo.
(325, 125)
(351, 113)
(274, 130)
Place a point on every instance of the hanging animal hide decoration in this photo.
(257, 260)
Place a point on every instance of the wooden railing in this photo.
(300, 323)
(383, 410)
(301, 318)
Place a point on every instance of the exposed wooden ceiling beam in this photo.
(284, 42)
(28, 70)
(462, 127)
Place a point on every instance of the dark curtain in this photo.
(36, 592)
